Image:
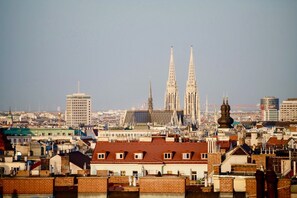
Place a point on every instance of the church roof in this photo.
(157, 116)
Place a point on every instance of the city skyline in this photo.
(246, 49)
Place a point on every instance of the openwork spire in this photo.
(171, 76)
(191, 74)
(171, 96)
(192, 99)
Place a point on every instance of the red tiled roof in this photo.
(224, 144)
(233, 137)
(273, 141)
(153, 152)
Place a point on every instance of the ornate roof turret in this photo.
(225, 121)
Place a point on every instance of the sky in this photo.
(246, 49)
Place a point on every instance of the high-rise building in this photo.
(192, 100)
(171, 95)
(78, 110)
(269, 108)
(288, 110)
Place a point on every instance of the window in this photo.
(194, 175)
(123, 173)
(167, 155)
(100, 155)
(186, 155)
(137, 155)
(203, 155)
(120, 156)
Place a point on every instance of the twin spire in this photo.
(192, 101)
(171, 94)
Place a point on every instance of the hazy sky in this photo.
(246, 48)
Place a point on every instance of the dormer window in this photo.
(138, 156)
(186, 155)
(100, 155)
(203, 155)
(119, 155)
(167, 155)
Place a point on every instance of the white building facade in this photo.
(288, 110)
(78, 110)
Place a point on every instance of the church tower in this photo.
(150, 100)
(192, 100)
(171, 95)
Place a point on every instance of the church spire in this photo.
(171, 76)
(192, 99)
(171, 95)
(191, 75)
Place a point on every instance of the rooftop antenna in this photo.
(78, 86)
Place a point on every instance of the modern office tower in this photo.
(78, 109)
(288, 110)
(192, 100)
(269, 108)
(171, 96)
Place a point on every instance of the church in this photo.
(172, 114)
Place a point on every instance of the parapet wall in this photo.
(162, 185)
(28, 185)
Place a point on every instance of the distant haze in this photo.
(246, 49)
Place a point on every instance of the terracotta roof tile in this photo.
(153, 151)
(273, 141)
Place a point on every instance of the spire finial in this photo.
(150, 94)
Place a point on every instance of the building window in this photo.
(186, 155)
(120, 156)
(167, 155)
(123, 173)
(100, 155)
(138, 156)
(194, 175)
(203, 155)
